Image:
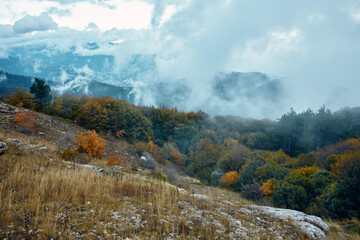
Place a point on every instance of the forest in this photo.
(308, 161)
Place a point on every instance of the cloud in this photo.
(34, 23)
(312, 46)
(6, 30)
(59, 12)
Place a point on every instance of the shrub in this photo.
(26, 118)
(175, 156)
(116, 159)
(141, 147)
(20, 98)
(252, 191)
(91, 144)
(216, 176)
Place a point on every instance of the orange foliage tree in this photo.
(116, 159)
(91, 144)
(229, 178)
(26, 118)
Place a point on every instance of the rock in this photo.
(312, 226)
(117, 168)
(13, 140)
(41, 148)
(147, 161)
(3, 148)
(341, 234)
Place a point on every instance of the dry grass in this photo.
(342, 227)
(41, 197)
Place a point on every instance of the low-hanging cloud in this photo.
(34, 23)
(310, 47)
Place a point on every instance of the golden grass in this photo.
(41, 197)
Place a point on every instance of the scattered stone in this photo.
(117, 168)
(3, 148)
(341, 234)
(41, 148)
(13, 140)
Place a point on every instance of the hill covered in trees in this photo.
(307, 161)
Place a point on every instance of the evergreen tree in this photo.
(41, 92)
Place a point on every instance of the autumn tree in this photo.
(268, 187)
(229, 178)
(91, 144)
(20, 98)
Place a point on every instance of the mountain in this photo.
(49, 197)
(135, 78)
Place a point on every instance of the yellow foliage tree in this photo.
(268, 188)
(305, 171)
(91, 144)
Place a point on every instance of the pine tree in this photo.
(41, 92)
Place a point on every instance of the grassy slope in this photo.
(43, 197)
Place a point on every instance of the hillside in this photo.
(42, 196)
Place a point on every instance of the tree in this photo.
(20, 98)
(229, 178)
(41, 92)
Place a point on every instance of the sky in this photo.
(312, 46)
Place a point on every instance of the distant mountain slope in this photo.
(9, 82)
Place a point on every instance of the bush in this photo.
(252, 191)
(91, 144)
(141, 147)
(116, 159)
(20, 98)
(175, 156)
(27, 119)
(216, 176)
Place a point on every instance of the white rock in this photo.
(312, 226)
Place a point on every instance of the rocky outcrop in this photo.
(312, 226)
(3, 148)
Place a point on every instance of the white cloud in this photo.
(34, 23)
(122, 14)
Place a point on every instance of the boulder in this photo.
(312, 226)
(3, 148)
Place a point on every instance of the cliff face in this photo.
(43, 196)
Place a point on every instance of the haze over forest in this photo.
(272, 55)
